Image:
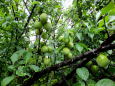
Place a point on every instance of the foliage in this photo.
(36, 34)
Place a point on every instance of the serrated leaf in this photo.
(83, 73)
(7, 80)
(105, 82)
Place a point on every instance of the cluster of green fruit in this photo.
(43, 26)
(68, 44)
(102, 61)
(46, 49)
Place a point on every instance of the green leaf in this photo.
(27, 57)
(35, 2)
(112, 12)
(57, 6)
(79, 47)
(91, 82)
(105, 82)
(101, 23)
(7, 80)
(79, 36)
(83, 73)
(16, 1)
(14, 58)
(111, 18)
(20, 71)
(107, 8)
(80, 83)
(91, 35)
(109, 51)
(17, 55)
(98, 15)
(34, 67)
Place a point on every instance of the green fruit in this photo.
(47, 61)
(65, 51)
(40, 58)
(70, 44)
(70, 56)
(102, 60)
(50, 49)
(61, 38)
(38, 25)
(44, 35)
(89, 63)
(94, 68)
(44, 49)
(43, 18)
(42, 43)
(32, 60)
(39, 31)
(65, 40)
(48, 26)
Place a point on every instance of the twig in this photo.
(28, 20)
(26, 6)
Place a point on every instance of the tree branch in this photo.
(28, 20)
(26, 6)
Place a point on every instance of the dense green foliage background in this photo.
(80, 28)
